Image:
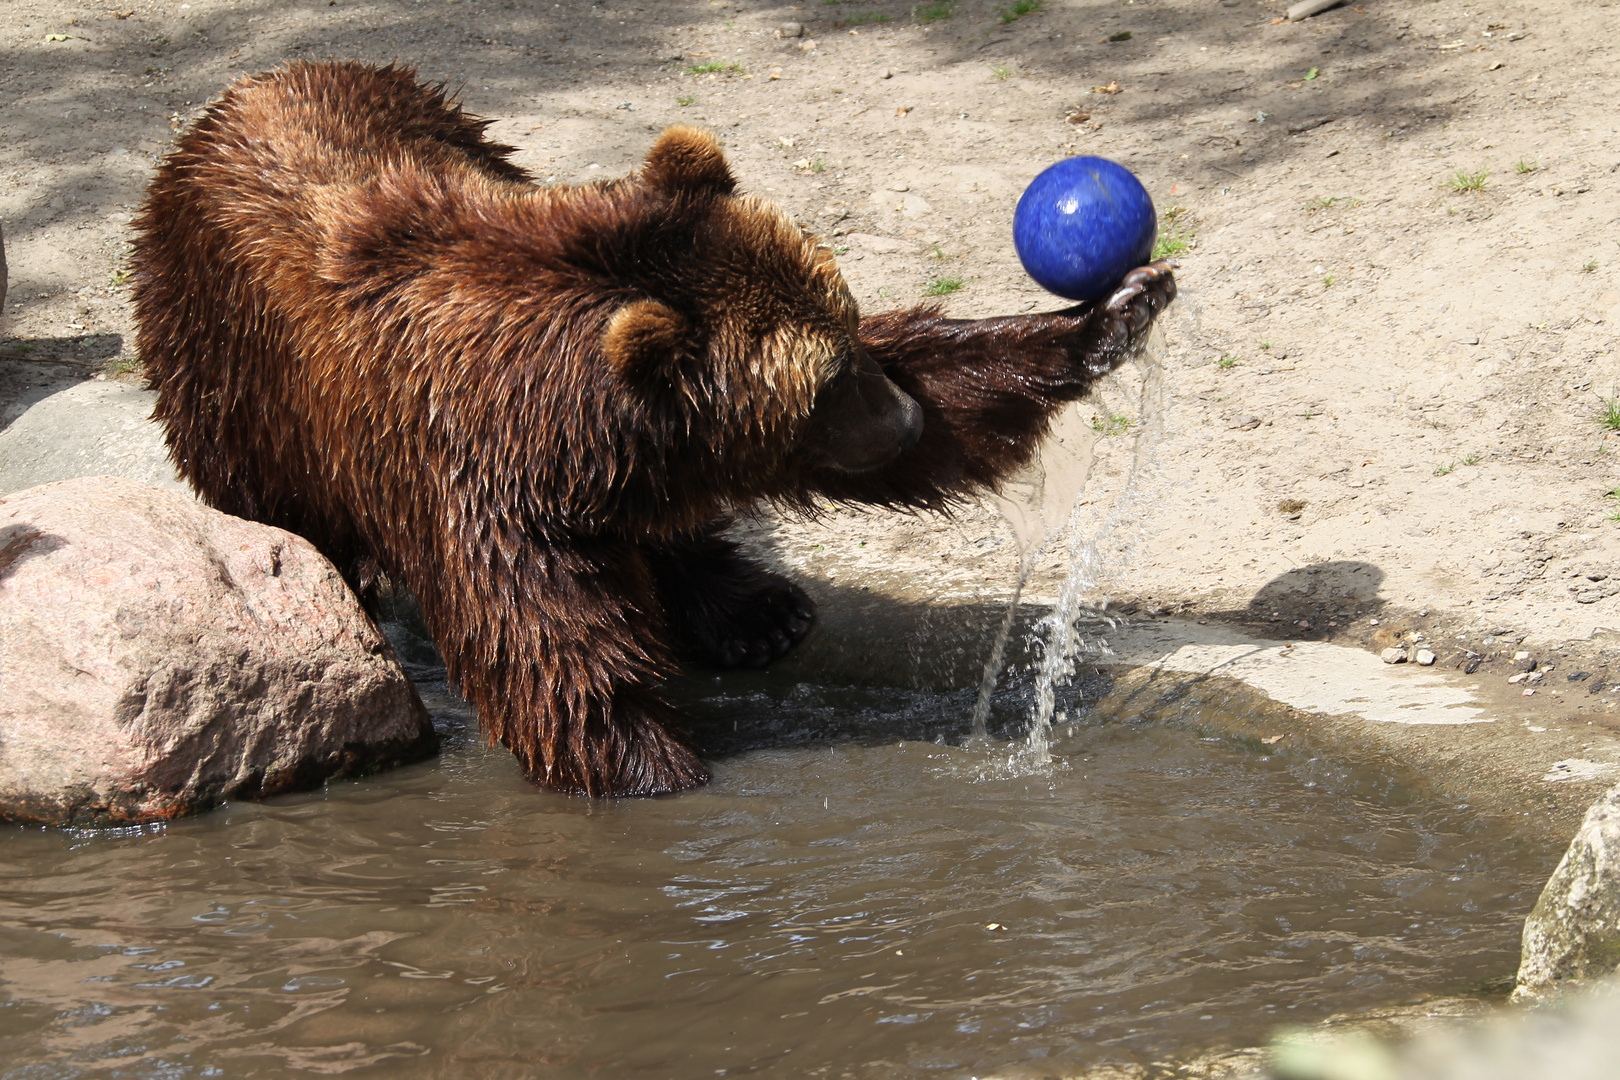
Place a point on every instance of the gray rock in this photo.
(1425, 658)
(1393, 656)
(791, 29)
(158, 657)
(1573, 933)
(913, 206)
(89, 429)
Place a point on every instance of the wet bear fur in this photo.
(538, 407)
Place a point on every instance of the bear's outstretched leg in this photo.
(559, 647)
(989, 387)
(725, 610)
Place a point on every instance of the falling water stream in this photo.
(1042, 506)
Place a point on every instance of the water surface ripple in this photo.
(872, 906)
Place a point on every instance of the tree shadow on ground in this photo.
(32, 369)
(148, 73)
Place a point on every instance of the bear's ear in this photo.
(642, 336)
(687, 159)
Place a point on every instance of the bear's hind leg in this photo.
(725, 610)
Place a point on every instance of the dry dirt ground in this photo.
(1385, 378)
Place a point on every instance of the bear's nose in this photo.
(909, 420)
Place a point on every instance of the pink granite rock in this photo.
(157, 656)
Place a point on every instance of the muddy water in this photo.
(849, 898)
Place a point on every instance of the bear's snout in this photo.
(862, 421)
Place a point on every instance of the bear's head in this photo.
(746, 317)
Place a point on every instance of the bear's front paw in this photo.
(750, 626)
(1114, 327)
(725, 610)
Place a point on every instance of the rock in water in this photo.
(158, 657)
(1573, 932)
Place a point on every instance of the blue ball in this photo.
(1082, 225)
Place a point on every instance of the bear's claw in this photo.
(1110, 330)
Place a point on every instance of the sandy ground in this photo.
(1385, 376)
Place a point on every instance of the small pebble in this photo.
(791, 29)
(1529, 693)
(1393, 656)
(1472, 666)
(1519, 678)
(1425, 657)
(1521, 655)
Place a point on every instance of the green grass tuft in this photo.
(119, 365)
(928, 13)
(1112, 424)
(1467, 181)
(1609, 414)
(943, 286)
(1227, 362)
(1174, 237)
(716, 67)
(1020, 9)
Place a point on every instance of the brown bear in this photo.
(538, 407)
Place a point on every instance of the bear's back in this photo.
(334, 123)
(230, 294)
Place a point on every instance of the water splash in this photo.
(1043, 505)
(1037, 504)
(1056, 636)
